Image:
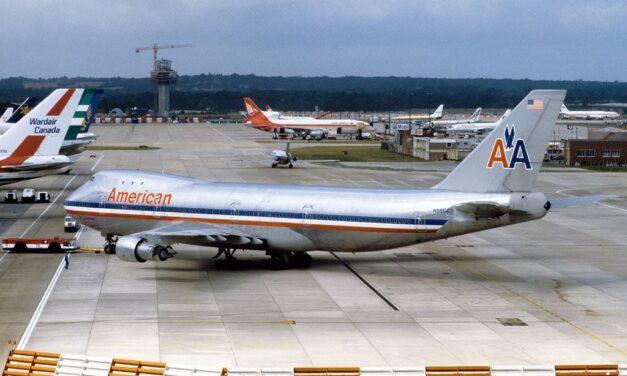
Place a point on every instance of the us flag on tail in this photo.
(535, 104)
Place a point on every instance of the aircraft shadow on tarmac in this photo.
(385, 266)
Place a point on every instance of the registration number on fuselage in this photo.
(447, 211)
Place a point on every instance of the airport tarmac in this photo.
(545, 292)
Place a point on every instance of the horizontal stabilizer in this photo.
(558, 203)
(486, 209)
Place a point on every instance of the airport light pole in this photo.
(428, 94)
(387, 129)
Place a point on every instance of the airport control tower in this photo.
(163, 75)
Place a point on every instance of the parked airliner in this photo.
(308, 127)
(143, 214)
(78, 135)
(30, 148)
(475, 117)
(437, 114)
(565, 113)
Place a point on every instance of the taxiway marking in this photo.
(538, 305)
(97, 162)
(48, 207)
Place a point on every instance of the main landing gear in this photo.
(229, 262)
(286, 260)
(110, 242)
(277, 260)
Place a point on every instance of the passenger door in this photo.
(307, 209)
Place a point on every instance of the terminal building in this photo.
(602, 147)
(575, 145)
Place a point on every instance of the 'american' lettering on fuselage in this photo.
(146, 197)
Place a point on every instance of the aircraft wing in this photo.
(199, 234)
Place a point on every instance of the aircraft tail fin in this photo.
(438, 112)
(476, 116)
(22, 110)
(43, 129)
(81, 120)
(509, 158)
(6, 114)
(92, 109)
(253, 112)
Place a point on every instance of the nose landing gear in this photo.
(110, 241)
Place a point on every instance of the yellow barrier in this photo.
(586, 370)
(458, 371)
(30, 363)
(128, 367)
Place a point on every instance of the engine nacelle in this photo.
(316, 135)
(135, 249)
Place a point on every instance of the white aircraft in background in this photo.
(437, 114)
(565, 113)
(475, 117)
(465, 127)
(308, 127)
(30, 148)
(283, 157)
(6, 115)
(143, 214)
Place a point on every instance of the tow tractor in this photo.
(55, 244)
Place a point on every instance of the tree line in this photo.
(217, 93)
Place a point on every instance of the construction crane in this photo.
(163, 75)
(156, 47)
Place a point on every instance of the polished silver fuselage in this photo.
(290, 217)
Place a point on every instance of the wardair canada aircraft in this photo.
(30, 147)
(78, 136)
(143, 214)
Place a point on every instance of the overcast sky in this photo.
(558, 39)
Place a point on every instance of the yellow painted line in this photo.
(532, 302)
(91, 249)
(287, 322)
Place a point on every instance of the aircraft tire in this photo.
(230, 263)
(109, 249)
(300, 260)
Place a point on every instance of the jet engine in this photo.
(316, 134)
(135, 249)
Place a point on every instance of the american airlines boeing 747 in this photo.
(143, 214)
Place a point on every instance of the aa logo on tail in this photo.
(508, 151)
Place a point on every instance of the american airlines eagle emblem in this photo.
(508, 150)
